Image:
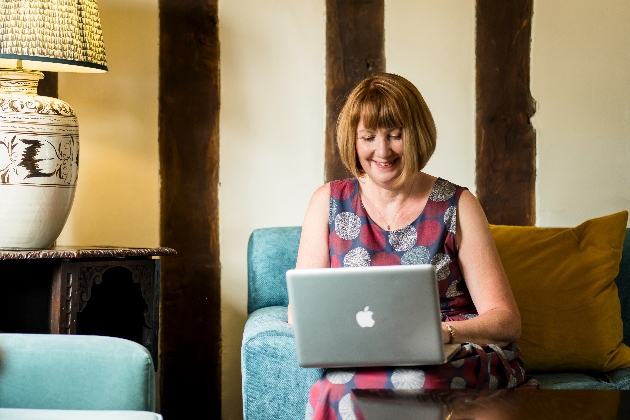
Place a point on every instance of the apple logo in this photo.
(364, 318)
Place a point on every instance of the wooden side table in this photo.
(83, 290)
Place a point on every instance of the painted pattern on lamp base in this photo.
(39, 160)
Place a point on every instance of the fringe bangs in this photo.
(379, 110)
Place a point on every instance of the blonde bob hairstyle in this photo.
(386, 101)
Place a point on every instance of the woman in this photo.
(393, 213)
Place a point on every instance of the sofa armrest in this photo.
(274, 385)
(75, 372)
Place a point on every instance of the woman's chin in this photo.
(384, 177)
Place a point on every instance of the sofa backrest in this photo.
(270, 253)
(75, 372)
(273, 251)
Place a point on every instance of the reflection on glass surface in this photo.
(493, 404)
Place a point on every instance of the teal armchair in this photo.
(74, 372)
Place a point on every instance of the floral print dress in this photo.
(355, 240)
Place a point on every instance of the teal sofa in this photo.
(275, 387)
(53, 376)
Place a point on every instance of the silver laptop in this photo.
(367, 316)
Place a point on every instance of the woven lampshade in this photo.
(52, 35)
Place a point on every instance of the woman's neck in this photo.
(391, 192)
(393, 206)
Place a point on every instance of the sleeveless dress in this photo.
(355, 240)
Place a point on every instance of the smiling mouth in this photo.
(385, 165)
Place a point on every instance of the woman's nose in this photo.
(382, 146)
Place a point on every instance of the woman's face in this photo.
(380, 153)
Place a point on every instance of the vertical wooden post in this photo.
(506, 140)
(355, 49)
(190, 364)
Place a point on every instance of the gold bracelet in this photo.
(451, 331)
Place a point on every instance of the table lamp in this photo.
(39, 136)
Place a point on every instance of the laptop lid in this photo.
(367, 316)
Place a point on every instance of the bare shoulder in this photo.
(469, 206)
(478, 256)
(472, 224)
(322, 194)
(318, 206)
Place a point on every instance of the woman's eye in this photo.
(368, 138)
(395, 136)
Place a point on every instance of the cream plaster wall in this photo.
(580, 79)
(432, 43)
(272, 142)
(117, 197)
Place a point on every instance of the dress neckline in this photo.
(413, 223)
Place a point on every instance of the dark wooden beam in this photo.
(190, 364)
(355, 49)
(49, 85)
(506, 140)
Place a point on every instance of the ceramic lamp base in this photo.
(39, 158)
(43, 211)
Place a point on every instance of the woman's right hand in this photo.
(289, 315)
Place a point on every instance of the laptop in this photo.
(367, 316)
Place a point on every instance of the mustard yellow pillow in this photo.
(563, 283)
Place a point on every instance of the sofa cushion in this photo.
(620, 378)
(563, 283)
(274, 385)
(572, 380)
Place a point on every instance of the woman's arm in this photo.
(313, 251)
(499, 320)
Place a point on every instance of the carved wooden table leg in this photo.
(63, 307)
